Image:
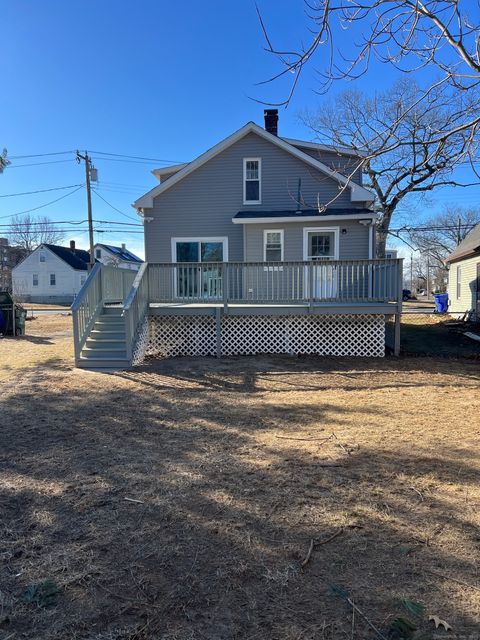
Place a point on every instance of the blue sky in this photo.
(153, 78)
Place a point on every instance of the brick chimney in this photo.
(271, 121)
(72, 245)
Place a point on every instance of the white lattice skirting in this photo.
(329, 335)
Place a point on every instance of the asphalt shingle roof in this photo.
(469, 246)
(76, 258)
(301, 214)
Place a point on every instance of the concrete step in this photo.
(105, 343)
(118, 353)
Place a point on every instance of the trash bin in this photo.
(441, 302)
(12, 316)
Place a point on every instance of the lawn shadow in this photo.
(165, 505)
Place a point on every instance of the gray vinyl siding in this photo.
(204, 203)
(345, 164)
(353, 245)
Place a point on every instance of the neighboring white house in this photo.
(51, 274)
(117, 256)
(464, 276)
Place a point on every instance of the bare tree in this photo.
(400, 156)
(407, 34)
(3, 160)
(29, 232)
(440, 234)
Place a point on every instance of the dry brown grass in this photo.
(48, 342)
(235, 471)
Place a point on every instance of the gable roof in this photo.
(119, 252)
(469, 246)
(344, 151)
(357, 192)
(77, 259)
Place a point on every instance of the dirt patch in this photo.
(179, 500)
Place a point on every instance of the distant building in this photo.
(117, 256)
(10, 256)
(51, 274)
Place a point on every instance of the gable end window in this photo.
(98, 253)
(252, 180)
(53, 281)
(273, 245)
(42, 256)
(459, 282)
(35, 279)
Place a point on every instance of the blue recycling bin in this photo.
(441, 302)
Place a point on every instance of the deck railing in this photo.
(135, 308)
(86, 307)
(306, 282)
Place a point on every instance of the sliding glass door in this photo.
(203, 278)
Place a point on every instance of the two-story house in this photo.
(261, 244)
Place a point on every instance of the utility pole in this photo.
(88, 173)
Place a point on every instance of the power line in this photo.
(40, 155)
(124, 155)
(28, 193)
(112, 207)
(47, 204)
(37, 164)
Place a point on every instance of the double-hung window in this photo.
(459, 282)
(53, 280)
(273, 245)
(273, 248)
(252, 181)
(35, 279)
(42, 256)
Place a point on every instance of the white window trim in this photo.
(222, 239)
(458, 292)
(33, 279)
(282, 246)
(336, 232)
(50, 279)
(41, 255)
(245, 201)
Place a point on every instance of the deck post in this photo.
(218, 328)
(310, 284)
(225, 286)
(398, 315)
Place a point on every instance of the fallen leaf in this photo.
(439, 623)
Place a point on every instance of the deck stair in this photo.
(105, 346)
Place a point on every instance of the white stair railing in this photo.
(135, 309)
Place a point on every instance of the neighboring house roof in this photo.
(305, 215)
(166, 171)
(357, 192)
(120, 253)
(469, 246)
(75, 258)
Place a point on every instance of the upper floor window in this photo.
(53, 280)
(252, 180)
(35, 279)
(42, 256)
(273, 245)
(82, 280)
(459, 282)
(98, 253)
